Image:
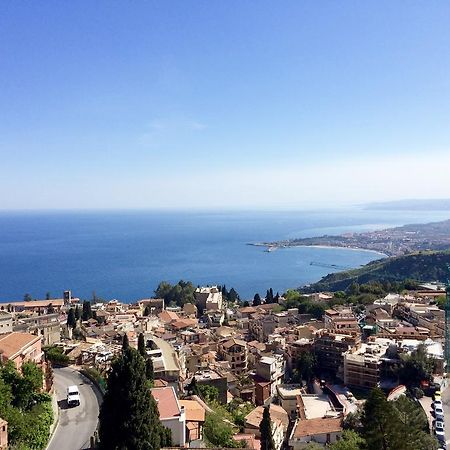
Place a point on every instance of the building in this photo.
(234, 351)
(341, 320)
(20, 348)
(3, 434)
(195, 419)
(38, 306)
(6, 322)
(271, 369)
(280, 423)
(363, 364)
(46, 326)
(171, 414)
(289, 397)
(165, 360)
(208, 298)
(321, 430)
(329, 348)
(156, 305)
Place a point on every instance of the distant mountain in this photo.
(411, 205)
(420, 266)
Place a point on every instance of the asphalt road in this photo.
(446, 408)
(76, 424)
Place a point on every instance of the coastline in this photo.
(355, 249)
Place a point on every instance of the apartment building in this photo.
(363, 365)
(234, 351)
(6, 322)
(329, 348)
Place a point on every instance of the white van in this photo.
(73, 396)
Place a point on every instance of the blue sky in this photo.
(222, 104)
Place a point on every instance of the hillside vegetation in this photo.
(420, 266)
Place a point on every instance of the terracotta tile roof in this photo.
(184, 323)
(233, 341)
(313, 427)
(40, 303)
(167, 402)
(168, 316)
(251, 442)
(13, 343)
(194, 411)
(277, 413)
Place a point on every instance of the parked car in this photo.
(438, 413)
(437, 395)
(439, 430)
(437, 404)
(73, 396)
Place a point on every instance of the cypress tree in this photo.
(87, 311)
(77, 313)
(71, 321)
(256, 300)
(125, 342)
(233, 296)
(141, 345)
(147, 311)
(265, 428)
(129, 417)
(149, 371)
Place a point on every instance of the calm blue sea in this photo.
(125, 255)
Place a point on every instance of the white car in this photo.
(437, 404)
(439, 429)
(439, 413)
(73, 396)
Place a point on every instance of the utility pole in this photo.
(447, 322)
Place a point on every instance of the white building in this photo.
(171, 414)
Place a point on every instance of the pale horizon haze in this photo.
(233, 104)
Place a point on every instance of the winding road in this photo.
(77, 424)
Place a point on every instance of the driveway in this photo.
(76, 424)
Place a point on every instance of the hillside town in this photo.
(218, 363)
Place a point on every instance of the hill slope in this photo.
(421, 266)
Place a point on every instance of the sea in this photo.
(125, 254)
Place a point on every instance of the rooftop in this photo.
(167, 402)
(313, 427)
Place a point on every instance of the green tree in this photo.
(48, 296)
(377, 420)
(27, 297)
(129, 416)
(87, 311)
(233, 296)
(313, 446)
(125, 342)
(208, 393)
(265, 428)
(350, 440)
(305, 367)
(77, 313)
(415, 367)
(149, 370)
(147, 311)
(256, 300)
(218, 432)
(269, 296)
(71, 321)
(411, 425)
(141, 345)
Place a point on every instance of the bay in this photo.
(125, 254)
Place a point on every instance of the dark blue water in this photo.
(125, 255)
